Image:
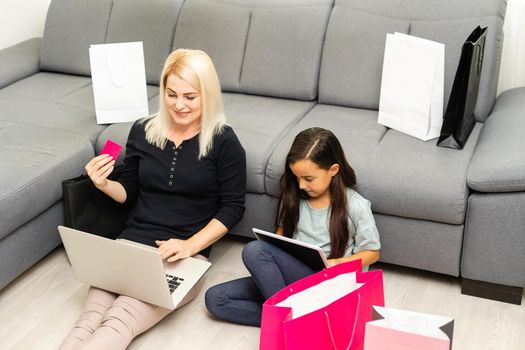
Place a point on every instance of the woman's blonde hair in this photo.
(195, 67)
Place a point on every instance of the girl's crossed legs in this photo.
(240, 301)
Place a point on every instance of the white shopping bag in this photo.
(407, 330)
(119, 82)
(412, 85)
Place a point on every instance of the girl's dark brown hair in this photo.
(322, 147)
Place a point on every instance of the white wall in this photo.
(512, 73)
(21, 20)
(24, 19)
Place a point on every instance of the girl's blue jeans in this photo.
(240, 301)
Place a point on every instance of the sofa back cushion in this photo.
(270, 47)
(283, 50)
(71, 27)
(151, 23)
(219, 28)
(352, 61)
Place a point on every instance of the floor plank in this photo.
(41, 305)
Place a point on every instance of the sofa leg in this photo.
(492, 291)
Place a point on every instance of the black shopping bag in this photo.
(88, 209)
(458, 120)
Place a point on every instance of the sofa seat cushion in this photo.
(399, 174)
(65, 89)
(45, 86)
(60, 101)
(410, 178)
(83, 97)
(51, 115)
(35, 160)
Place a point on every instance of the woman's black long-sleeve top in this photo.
(174, 194)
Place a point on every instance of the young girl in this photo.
(317, 205)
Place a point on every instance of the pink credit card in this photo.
(112, 148)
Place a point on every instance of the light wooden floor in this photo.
(38, 309)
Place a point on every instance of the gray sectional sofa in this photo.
(284, 65)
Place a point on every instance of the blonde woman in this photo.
(185, 177)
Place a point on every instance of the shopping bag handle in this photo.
(353, 330)
(479, 50)
(116, 73)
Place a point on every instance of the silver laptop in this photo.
(310, 254)
(130, 268)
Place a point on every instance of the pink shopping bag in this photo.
(393, 329)
(327, 310)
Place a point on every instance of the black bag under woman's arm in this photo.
(88, 209)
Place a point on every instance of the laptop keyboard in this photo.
(173, 282)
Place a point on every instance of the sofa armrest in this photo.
(19, 61)
(498, 163)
